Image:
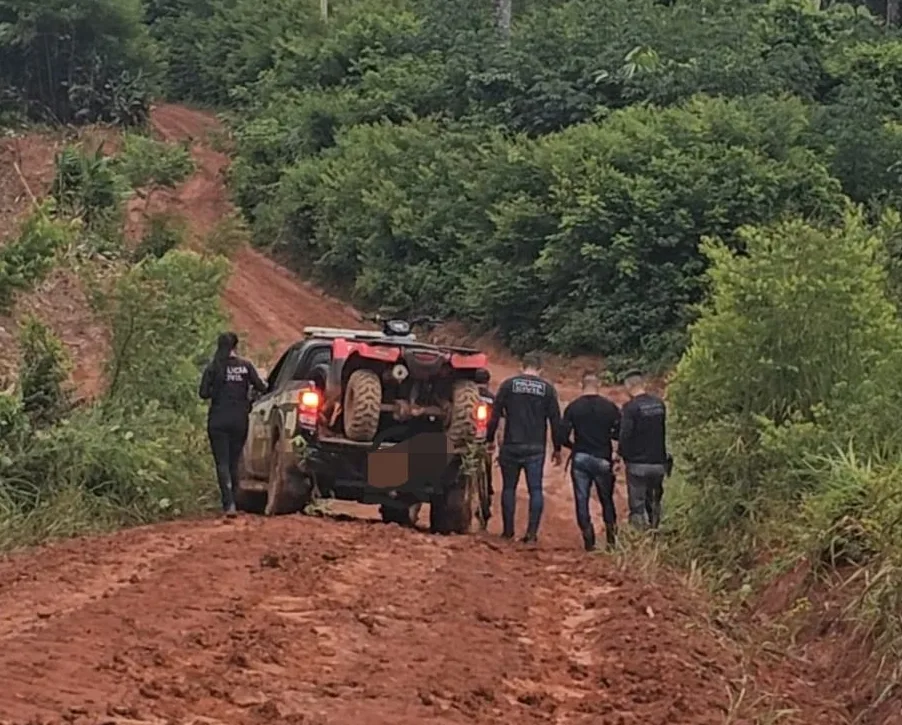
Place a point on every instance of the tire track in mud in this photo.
(327, 622)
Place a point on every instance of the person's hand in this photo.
(556, 458)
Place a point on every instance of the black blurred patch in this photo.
(419, 460)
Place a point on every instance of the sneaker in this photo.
(231, 512)
(507, 535)
(529, 539)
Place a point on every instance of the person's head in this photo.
(531, 364)
(590, 383)
(226, 345)
(634, 382)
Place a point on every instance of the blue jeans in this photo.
(585, 471)
(511, 464)
(645, 489)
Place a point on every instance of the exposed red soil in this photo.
(351, 622)
(26, 168)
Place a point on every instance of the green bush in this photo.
(795, 356)
(168, 305)
(87, 186)
(65, 61)
(164, 233)
(144, 161)
(137, 454)
(43, 372)
(583, 241)
(27, 259)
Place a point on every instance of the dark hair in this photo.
(532, 360)
(635, 375)
(225, 344)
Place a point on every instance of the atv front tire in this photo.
(362, 406)
(464, 401)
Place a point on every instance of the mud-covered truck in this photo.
(377, 417)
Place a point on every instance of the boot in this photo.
(610, 535)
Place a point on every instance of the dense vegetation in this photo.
(649, 181)
(555, 186)
(138, 452)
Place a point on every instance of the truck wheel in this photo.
(452, 507)
(362, 405)
(289, 490)
(465, 398)
(401, 515)
(252, 502)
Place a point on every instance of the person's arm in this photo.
(206, 384)
(627, 423)
(256, 380)
(615, 424)
(498, 409)
(554, 419)
(566, 427)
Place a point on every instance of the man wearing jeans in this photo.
(528, 403)
(644, 452)
(594, 421)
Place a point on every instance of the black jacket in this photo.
(643, 431)
(529, 404)
(229, 399)
(594, 421)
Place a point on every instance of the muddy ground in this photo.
(343, 620)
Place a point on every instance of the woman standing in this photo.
(225, 383)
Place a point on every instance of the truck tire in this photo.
(465, 398)
(451, 511)
(289, 490)
(401, 515)
(252, 502)
(362, 406)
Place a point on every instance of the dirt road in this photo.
(347, 621)
(328, 621)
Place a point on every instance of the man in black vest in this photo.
(643, 449)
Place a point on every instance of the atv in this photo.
(377, 381)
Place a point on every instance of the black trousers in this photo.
(227, 441)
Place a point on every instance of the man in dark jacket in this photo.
(528, 403)
(643, 449)
(594, 421)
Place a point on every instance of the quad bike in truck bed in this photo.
(339, 395)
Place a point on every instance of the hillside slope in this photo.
(304, 620)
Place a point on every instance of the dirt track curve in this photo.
(343, 620)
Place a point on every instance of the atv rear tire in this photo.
(362, 406)
(464, 401)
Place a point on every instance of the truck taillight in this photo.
(482, 419)
(309, 402)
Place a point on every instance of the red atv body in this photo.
(378, 382)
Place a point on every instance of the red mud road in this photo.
(322, 621)
(346, 621)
